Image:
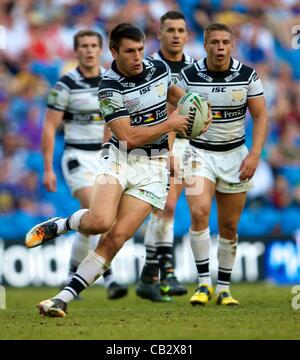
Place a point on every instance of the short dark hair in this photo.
(125, 31)
(172, 15)
(217, 27)
(82, 33)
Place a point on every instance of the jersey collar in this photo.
(88, 78)
(170, 61)
(219, 74)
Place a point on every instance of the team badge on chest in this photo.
(160, 89)
(238, 95)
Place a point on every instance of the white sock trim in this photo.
(74, 219)
(98, 259)
(201, 232)
(227, 243)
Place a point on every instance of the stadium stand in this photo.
(39, 49)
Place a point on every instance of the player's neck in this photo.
(172, 57)
(89, 72)
(217, 68)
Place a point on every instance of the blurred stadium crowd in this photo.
(38, 50)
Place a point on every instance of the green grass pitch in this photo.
(265, 313)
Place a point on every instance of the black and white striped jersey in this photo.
(77, 97)
(175, 66)
(143, 98)
(227, 92)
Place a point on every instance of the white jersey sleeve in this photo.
(111, 101)
(255, 87)
(58, 98)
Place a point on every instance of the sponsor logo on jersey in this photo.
(128, 84)
(229, 114)
(161, 113)
(149, 195)
(131, 104)
(150, 74)
(144, 90)
(142, 119)
(238, 185)
(219, 89)
(231, 77)
(137, 120)
(83, 118)
(96, 117)
(149, 118)
(233, 113)
(217, 114)
(204, 76)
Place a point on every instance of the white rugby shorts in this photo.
(146, 178)
(221, 167)
(181, 151)
(79, 168)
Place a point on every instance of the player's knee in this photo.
(170, 208)
(200, 213)
(200, 217)
(100, 225)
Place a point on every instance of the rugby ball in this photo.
(193, 105)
